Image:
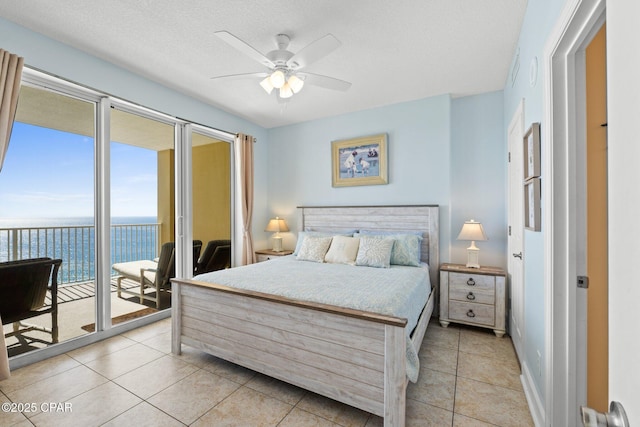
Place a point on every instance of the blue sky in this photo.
(49, 174)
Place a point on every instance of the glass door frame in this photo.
(184, 193)
(102, 206)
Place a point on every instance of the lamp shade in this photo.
(295, 83)
(472, 230)
(266, 85)
(285, 91)
(277, 225)
(277, 79)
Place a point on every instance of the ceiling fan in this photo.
(284, 66)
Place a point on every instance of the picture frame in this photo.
(359, 161)
(531, 151)
(532, 204)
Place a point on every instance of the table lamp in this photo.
(277, 225)
(472, 230)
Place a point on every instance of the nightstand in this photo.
(473, 296)
(267, 254)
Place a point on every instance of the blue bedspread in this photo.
(397, 291)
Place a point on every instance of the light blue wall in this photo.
(441, 151)
(418, 152)
(478, 175)
(59, 59)
(540, 18)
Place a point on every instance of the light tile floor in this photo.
(468, 377)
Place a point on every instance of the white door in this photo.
(516, 230)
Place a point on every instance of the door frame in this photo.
(564, 114)
(516, 120)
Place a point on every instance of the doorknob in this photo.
(518, 255)
(616, 417)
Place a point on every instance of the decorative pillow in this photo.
(406, 247)
(374, 252)
(418, 233)
(343, 250)
(314, 248)
(302, 234)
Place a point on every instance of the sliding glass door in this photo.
(47, 210)
(211, 198)
(106, 187)
(142, 186)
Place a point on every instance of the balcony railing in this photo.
(75, 245)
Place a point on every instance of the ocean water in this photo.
(73, 240)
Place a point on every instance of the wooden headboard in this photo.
(397, 218)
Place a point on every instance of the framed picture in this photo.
(532, 204)
(359, 161)
(532, 152)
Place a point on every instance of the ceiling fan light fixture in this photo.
(266, 85)
(277, 79)
(295, 83)
(285, 91)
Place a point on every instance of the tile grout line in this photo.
(455, 385)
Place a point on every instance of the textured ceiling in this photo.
(391, 52)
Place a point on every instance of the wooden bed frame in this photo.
(351, 356)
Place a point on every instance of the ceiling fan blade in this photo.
(240, 76)
(314, 51)
(325, 81)
(244, 48)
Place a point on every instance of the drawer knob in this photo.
(471, 282)
(470, 313)
(471, 296)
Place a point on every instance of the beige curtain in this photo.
(244, 151)
(10, 76)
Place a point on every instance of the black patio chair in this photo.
(216, 256)
(23, 288)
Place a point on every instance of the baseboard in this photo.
(533, 397)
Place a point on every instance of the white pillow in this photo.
(303, 234)
(314, 248)
(374, 252)
(343, 250)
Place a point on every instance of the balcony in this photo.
(75, 245)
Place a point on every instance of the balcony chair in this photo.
(155, 274)
(216, 256)
(23, 288)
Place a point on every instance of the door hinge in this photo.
(509, 230)
(509, 156)
(583, 282)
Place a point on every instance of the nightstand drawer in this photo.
(473, 295)
(477, 282)
(261, 257)
(472, 312)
